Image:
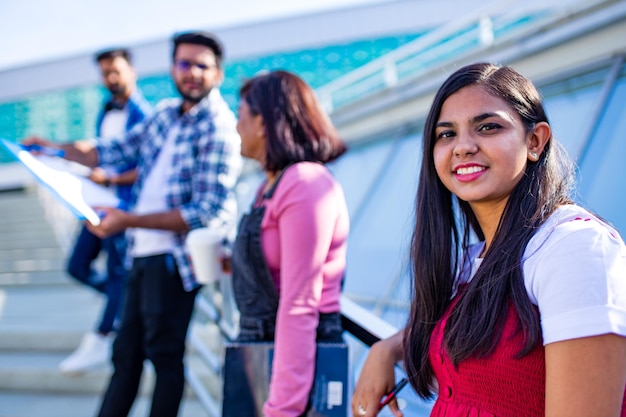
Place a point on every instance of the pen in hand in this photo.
(387, 398)
(44, 150)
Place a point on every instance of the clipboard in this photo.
(247, 374)
(62, 179)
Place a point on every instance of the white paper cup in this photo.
(204, 248)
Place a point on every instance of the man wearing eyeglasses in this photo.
(188, 160)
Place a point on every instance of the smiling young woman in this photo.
(519, 301)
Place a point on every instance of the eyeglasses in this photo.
(184, 65)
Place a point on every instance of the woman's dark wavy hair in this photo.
(296, 127)
(439, 238)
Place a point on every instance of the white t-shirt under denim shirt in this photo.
(113, 126)
(114, 123)
(575, 272)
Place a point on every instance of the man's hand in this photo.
(39, 142)
(99, 176)
(82, 152)
(113, 221)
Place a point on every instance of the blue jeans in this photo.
(157, 312)
(86, 250)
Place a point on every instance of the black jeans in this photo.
(155, 319)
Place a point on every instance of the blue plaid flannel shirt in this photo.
(204, 167)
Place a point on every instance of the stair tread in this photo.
(43, 316)
(47, 405)
(50, 308)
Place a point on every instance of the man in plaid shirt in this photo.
(188, 160)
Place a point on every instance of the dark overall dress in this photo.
(257, 299)
(255, 292)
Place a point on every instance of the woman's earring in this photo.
(534, 156)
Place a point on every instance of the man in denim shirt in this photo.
(188, 160)
(123, 109)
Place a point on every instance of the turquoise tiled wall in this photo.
(70, 114)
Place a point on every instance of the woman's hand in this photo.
(377, 378)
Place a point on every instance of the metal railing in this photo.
(358, 322)
(492, 24)
(215, 307)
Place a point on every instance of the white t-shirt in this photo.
(114, 123)
(152, 199)
(575, 273)
(113, 126)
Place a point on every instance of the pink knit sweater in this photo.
(304, 238)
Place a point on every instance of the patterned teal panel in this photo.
(60, 115)
(69, 115)
(317, 66)
(157, 87)
(9, 126)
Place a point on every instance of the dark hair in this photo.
(114, 53)
(200, 38)
(476, 322)
(296, 127)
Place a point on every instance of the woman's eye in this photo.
(488, 126)
(445, 134)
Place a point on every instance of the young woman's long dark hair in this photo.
(439, 238)
(296, 127)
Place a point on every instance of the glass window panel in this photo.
(247, 186)
(396, 310)
(570, 105)
(602, 171)
(357, 169)
(379, 241)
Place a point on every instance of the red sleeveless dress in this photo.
(497, 386)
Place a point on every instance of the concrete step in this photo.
(44, 315)
(53, 308)
(38, 372)
(50, 252)
(21, 205)
(22, 241)
(13, 222)
(40, 278)
(13, 175)
(32, 265)
(17, 404)
(26, 200)
(16, 234)
(29, 358)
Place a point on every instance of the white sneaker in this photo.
(94, 351)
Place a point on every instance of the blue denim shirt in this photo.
(138, 110)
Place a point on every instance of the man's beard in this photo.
(195, 98)
(117, 90)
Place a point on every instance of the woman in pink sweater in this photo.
(519, 302)
(289, 258)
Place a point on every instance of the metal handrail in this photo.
(357, 321)
(494, 23)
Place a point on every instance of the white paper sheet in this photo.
(67, 181)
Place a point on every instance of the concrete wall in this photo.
(288, 34)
